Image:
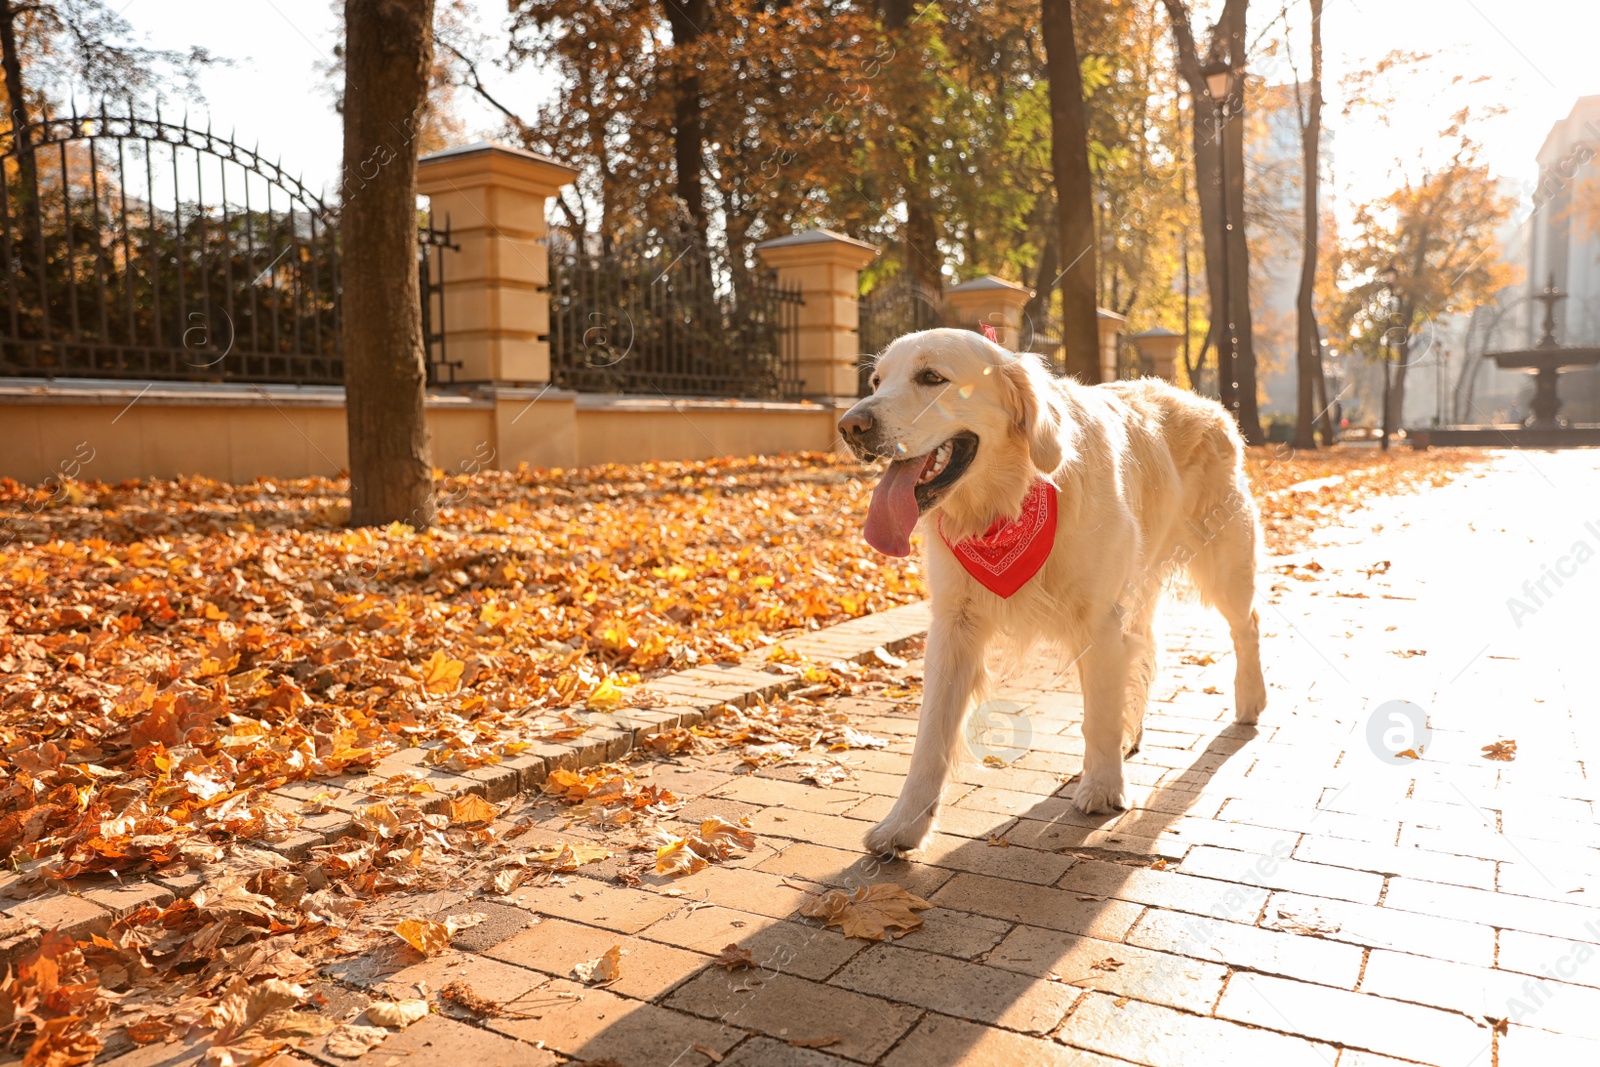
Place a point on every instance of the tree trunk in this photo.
(1212, 137)
(1309, 353)
(388, 55)
(1232, 28)
(1069, 152)
(688, 19)
(923, 260)
(17, 104)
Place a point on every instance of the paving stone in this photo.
(613, 907)
(1161, 1037)
(1280, 872)
(1529, 1046)
(1544, 1002)
(746, 890)
(765, 1052)
(792, 1008)
(956, 987)
(437, 1041)
(500, 922)
(66, 912)
(954, 933)
(1564, 960)
(165, 1054)
(1354, 1019)
(772, 792)
(489, 978)
(1385, 927)
(555, 946)
(1166, 889)
(589, 1023)
(1022, 902)
(809, 951)
(129, 897)
(836, 867)
(940, 1041)
(1002, 861)
(1553, 918)
(1156, 977)
(1310, 820)
(1240, 945)
(1423, 864)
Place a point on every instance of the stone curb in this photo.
(695, 694)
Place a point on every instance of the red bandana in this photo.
(1012, 550)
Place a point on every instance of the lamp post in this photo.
(1391, 277)
(1219, 86)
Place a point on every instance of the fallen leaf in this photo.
(814, 1042)
(606, 967)
(460, 992)
(1503, 750)
(426, 936)
(472, 810)
(868, 913)
(733, 957)
(709, 1053)
(1110, 963)
(441, 674)
(397, 1014)
(351, 1042)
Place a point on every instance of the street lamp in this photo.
(1220, 79)
(1390, 277)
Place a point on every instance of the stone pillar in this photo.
(990, 301)
(1110, 325)
(496, 310)
(826, 266)
(1158, 348)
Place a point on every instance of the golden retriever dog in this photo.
(1147, 478)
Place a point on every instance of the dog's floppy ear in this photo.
(1030, 394)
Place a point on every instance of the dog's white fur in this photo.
(1151, 478)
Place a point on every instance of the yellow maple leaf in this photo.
(868, 913)
(679, 858)
(606, 696)
(441, 674)
(426, 936)
(472, 809)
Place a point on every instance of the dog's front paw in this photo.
(1249, 698)
(1098, 795)
(899, 833)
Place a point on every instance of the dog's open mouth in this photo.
(911, 486)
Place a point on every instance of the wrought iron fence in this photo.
(656, 315)
(894, 308)
(138, 248)
(431, 245)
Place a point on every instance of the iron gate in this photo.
(137, 248)
(656, 316)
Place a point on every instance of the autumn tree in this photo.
(1218, 149)
(1440, 233)
(388, 55)
(1311, 389)
(1069, 141)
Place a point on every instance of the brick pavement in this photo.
(1280, 894)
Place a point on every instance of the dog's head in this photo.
(964, 425)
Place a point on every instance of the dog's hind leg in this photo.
(1144, 650)
(1223, 568)
(953, 671)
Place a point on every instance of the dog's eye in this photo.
(874, 382)
(931, 377)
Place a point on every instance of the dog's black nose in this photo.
(856, 423)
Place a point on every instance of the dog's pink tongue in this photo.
(893, 512)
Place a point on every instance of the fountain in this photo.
(1544, 428)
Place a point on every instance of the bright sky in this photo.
(1538, 53)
